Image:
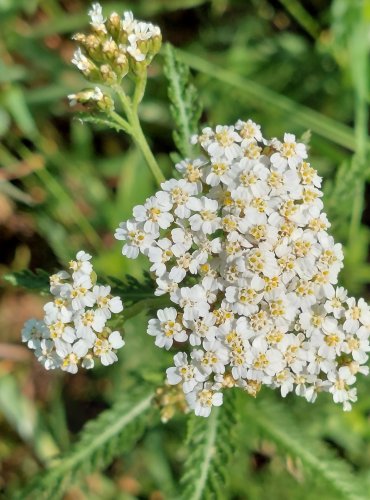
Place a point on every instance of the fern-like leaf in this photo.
(210, 442)
(111, 433)
(131, 289)
(37, 281)
(342, 188)
(274, 423)
(185, 107)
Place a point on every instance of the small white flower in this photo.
(57, 280)
(336, 297)
(33, 332)
(88, 322)
(104, 348)
(192, 300)
(159, 255)
(137, 240)
(180, 192)
(212, 359)
(225, 142)
(207, 219)
(105, 302)
(128, 22)
(182, 240)
(340, 389)
(202, 398)
(47, 356)
(96, 15)
(245, 297)
(184, 372)
(201, 328)
(290, 153)
(249, 130)
(357, 314)
(81, 61)
(191, 170)
(166, 328)
(69, 359)
(155, 213)
(135, 51)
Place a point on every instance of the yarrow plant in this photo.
(240, 244)
(74, 330)
(242, 285)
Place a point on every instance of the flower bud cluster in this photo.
(116, 46)
(240, 244)
(92, 98)
(74, 330)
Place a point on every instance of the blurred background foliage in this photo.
(289, 65)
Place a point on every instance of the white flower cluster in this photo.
(74, 330)
(240, 244)
(116, 46)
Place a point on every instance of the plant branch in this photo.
(134, 127)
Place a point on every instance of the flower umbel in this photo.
(74, 330)
(240, 244)
(115, 47)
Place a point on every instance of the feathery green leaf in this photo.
(273, 422)
(111, 433)
(37, 281)
(211, 442)
(185, 108)
(131, 289)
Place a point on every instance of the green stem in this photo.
(143, 145)
(135, 130)
(125, 101)
(123, 124)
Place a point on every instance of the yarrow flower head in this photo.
(74, 331)
(116, 46)
(240, 245)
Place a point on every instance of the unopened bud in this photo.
(156, 43)
(113, 25)
(106, 104)
(143, 45)
(138, 68)
(79, 38)
(121, 65)
(92, 45)
(107, 74)
(110, 49)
